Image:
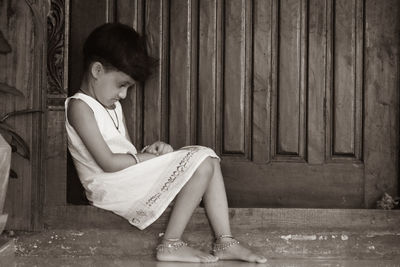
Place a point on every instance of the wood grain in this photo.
(23, 25)
(155, 106)
(182, 72)
(381, 107)
(316, 82)
(235, 87)
(290, 91)
(207, 81)
(262, 81)
(56, 159)
(294, 185)
(87, 217)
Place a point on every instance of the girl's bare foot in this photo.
(177, 250)
(228, 248)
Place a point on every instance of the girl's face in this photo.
(111, 86)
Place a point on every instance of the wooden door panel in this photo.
(289, 87)
(263, 30)
(235, 75)
(155, 108)
(316, 97)
(346, 96)
(280, 184)
(209, 66)
(182, 70)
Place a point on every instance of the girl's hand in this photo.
(145, 156)
(159, 148)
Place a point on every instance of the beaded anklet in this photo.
(170, 245)
(221, 246)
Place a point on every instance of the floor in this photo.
(109, 262)
(330, 238)
(118, 248)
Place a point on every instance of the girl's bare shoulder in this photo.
(78, 110)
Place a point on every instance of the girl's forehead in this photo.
(122, 77)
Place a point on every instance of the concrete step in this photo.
(303, 234)
(132, 262)
(273, 244)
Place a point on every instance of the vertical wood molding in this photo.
(155, 107)
(209, 13)
(345, 82)
(57, 72)
(262, 81)
(317, 59)
(289, 89)
(183, 72)
(237, 69)
(39, 9)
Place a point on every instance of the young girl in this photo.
(139, 186)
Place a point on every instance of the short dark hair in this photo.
(119, 46)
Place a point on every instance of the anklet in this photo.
(223, 236)
(171, 239)
(170, 245)
(223, 246)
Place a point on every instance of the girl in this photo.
(140, 186)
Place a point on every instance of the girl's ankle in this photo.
(170, 240)
(223, 238)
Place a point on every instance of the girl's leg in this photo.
(186, 201)
(216, 206)
(207, 181)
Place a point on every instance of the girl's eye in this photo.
(127, 85)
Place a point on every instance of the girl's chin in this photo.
(111, 106)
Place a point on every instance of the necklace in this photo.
(116, 116)
(116, 124)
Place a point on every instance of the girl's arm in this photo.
(81, 117)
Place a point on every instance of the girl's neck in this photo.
(87, 89)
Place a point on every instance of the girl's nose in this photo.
(122, 93)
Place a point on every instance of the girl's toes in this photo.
(208, 258)
(257, 258)
(261, 259)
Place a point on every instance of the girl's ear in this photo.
(96, 69)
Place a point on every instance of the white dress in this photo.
(139, 193)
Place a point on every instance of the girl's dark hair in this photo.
(119, 46)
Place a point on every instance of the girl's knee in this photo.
(206, 168)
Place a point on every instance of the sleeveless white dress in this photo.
(139, 193)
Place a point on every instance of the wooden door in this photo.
(299, 98)
(23, 26)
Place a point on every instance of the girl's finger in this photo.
(163, 149)
(151, 149)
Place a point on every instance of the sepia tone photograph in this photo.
(191, 133)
